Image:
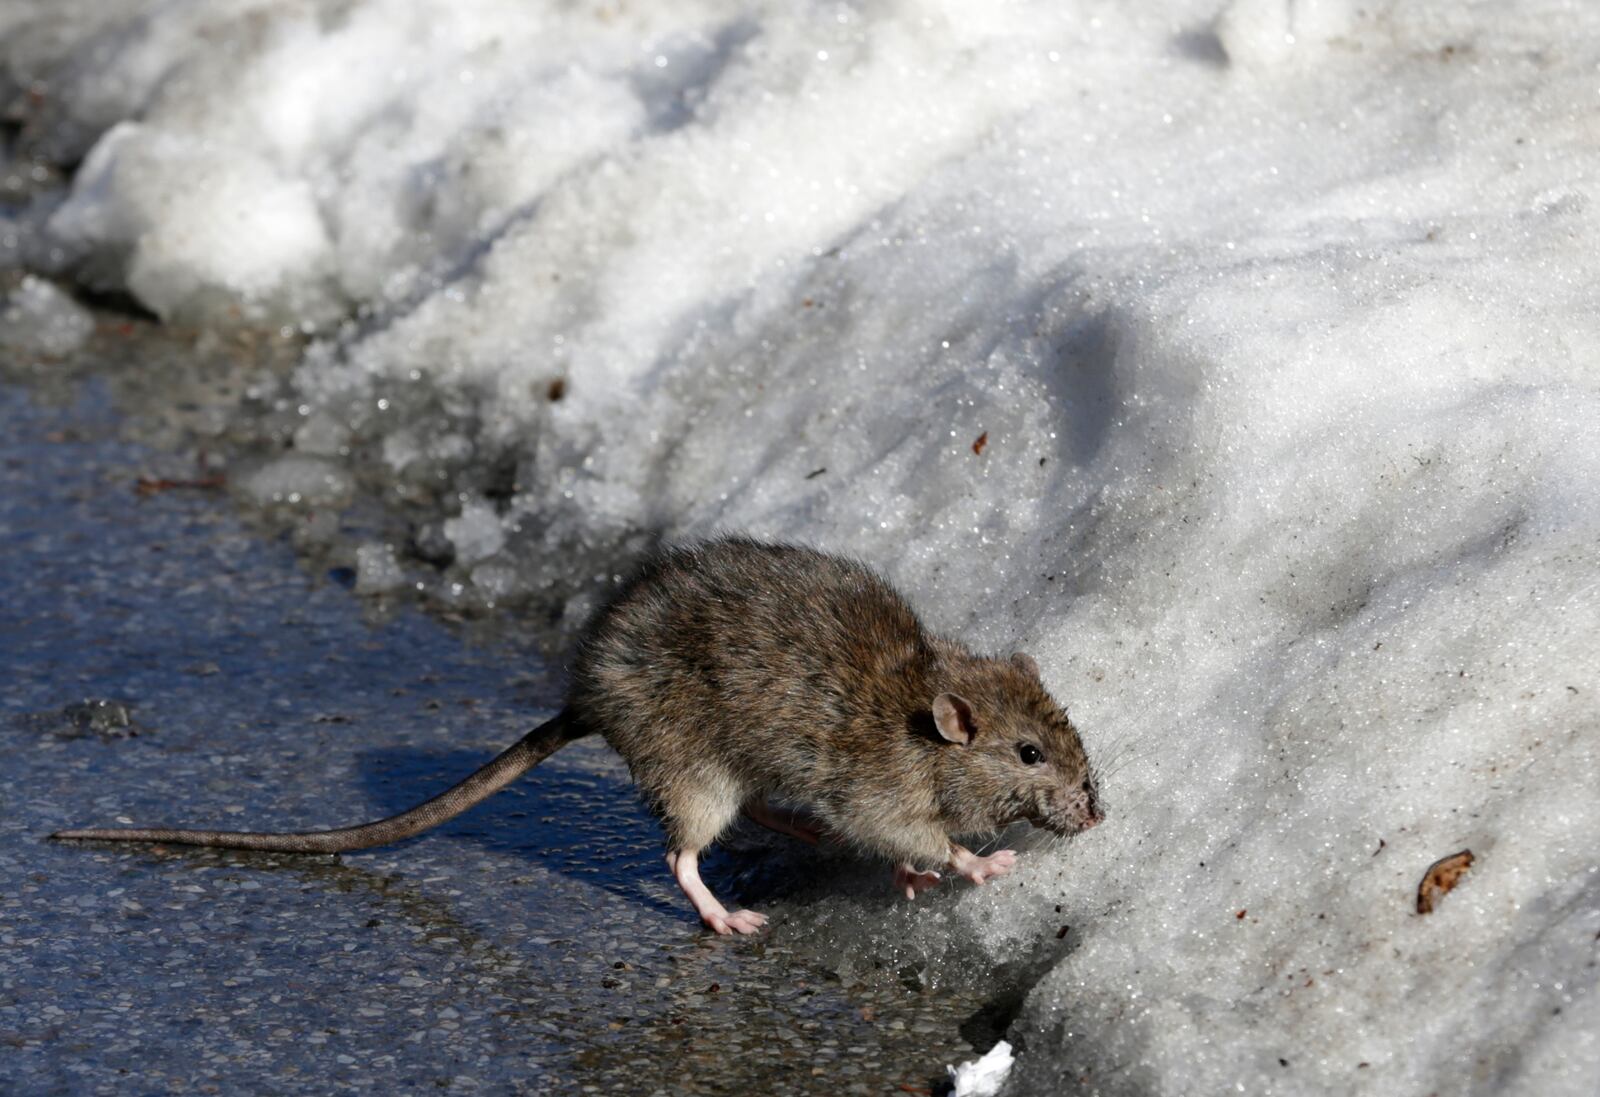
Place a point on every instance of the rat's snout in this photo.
(1079, 810)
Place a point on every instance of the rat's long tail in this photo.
(528, 752)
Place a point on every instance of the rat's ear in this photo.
(953, 717)
(1026, 662)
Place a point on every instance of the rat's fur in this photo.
(733, 671)
(737, 669)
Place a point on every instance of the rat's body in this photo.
(735, 671)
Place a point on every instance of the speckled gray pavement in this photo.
(535, 945)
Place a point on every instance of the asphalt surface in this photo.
(166, 661)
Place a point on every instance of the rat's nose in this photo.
(1088, 806)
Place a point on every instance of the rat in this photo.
(734, 672)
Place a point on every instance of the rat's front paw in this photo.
(909, 881)
(981, 869)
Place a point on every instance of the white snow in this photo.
(1278, 321)
(297, 480)
(377, 570)
(39, 318)
(208, 232)
(476, 532)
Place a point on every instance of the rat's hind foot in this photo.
(686, 870)
(908, 880)
(981, 869)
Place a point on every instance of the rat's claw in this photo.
(982, 869)
(744, 921)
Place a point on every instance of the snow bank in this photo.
(1239, 362)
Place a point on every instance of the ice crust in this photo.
(1239, 362)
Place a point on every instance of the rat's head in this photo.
(1012, 754)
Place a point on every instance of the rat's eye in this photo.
(1030, 754)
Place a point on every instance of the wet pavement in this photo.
(167, 662)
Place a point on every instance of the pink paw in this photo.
(740, 921)
(981, 869)
(910, 881)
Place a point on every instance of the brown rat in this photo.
(734, 671)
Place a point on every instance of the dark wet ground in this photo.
(166, 662)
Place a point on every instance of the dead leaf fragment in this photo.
(983, 440)
(147, 485)
(1441, 877)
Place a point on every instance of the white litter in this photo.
(982, 1077)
